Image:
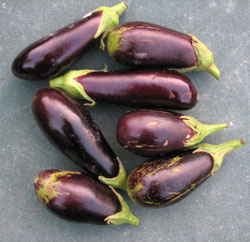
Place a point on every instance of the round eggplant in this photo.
(78, 197)
(162, 181)
(70, 127)
(143, 88)
(145, 44)
(52, 54)
(155, 132)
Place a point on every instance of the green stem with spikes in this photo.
(201, 130)
(119, 181)
(69, 83)
(110, 20)
(218, 152)
(205, 59)
(124, 216)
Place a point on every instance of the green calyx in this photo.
(204, 57)
(124, 216)
(109, 21)
(131, 192)
(119, 181)
(114, 40)
(70, 85)
(218, 152)
(48, 188)
(201, 130)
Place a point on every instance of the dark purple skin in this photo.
(70, 127)
(141, 88)
(80, 198)
(166, 47)
(151, 132)
(51, 55)
(163, 183)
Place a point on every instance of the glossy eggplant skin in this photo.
(69, 126)
(76, 196)
(51, 55)
(152, 132)
(162, 181)
(141, 88)
(156, 132)
(147, 44)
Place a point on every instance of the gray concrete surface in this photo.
(219, 210)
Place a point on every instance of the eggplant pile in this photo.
(178, 163)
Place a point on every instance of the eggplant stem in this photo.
(124, 216)
(119, 181)
(69, 83)
(218, 152)
(201, 130)
(213, 70)
(211, 128)
(109, 21)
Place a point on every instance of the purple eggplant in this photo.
(69, 126)
(78, 197)
(162, 181)
(143, 88)
(156, 132)
(54, 53)
(145, 44)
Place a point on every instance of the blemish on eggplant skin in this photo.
(166, 143)
(140, 55)
(152, 123)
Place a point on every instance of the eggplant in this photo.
(155, 132)
(162, 181)
(56, 52)
(78, 197)
(141, 88)
(146, 44)
(70, 127)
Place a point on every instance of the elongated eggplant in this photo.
(143, 88)
(155, 132)
(52, 54)
(162, 181)
(145, 44)
(70, 127)
(78, 197)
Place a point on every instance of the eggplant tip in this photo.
(126, 5)
(214, 71)
(242, 142)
